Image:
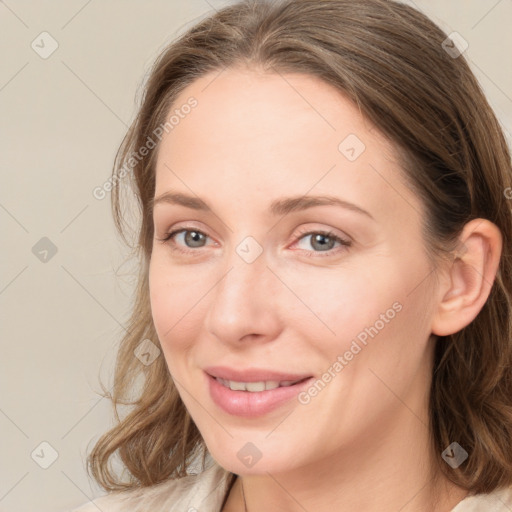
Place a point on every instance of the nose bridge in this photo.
(241, 302)
(246, 269)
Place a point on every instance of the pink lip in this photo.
(251, 404)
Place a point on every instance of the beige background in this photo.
(62, 120)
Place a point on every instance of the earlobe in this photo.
(469, 277)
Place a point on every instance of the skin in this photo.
(362, 442)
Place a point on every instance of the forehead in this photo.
(265, 111)
(254, 134)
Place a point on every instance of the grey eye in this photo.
(320, 242)
(194, 238)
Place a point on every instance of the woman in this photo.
(323, 317)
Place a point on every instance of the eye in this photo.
(323, 242)
(193, 239)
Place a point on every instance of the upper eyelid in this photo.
(302, 230)
(190, 224)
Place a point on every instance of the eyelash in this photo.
(345, 244)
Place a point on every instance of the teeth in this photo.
(254, 387)
(238, 386)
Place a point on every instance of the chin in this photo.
(243, 457)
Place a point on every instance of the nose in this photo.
(244, 303)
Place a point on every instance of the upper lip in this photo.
(252, 374)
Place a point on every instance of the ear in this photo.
(468, 279)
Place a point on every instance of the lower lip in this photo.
(249, 404)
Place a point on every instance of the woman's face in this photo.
(261, 284)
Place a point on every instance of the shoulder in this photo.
(499, 500)
(202, 492)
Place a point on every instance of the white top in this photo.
(205, 492)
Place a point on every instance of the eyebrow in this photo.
(281, 206)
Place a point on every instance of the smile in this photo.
(251, 393)
(255, 387)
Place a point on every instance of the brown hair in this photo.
(389, 59)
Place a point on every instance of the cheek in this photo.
(180, 298)
(371, 306)
(174, 298)
(336, 303)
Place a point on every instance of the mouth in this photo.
(252, 375)
(258, 386)
(251, 393)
